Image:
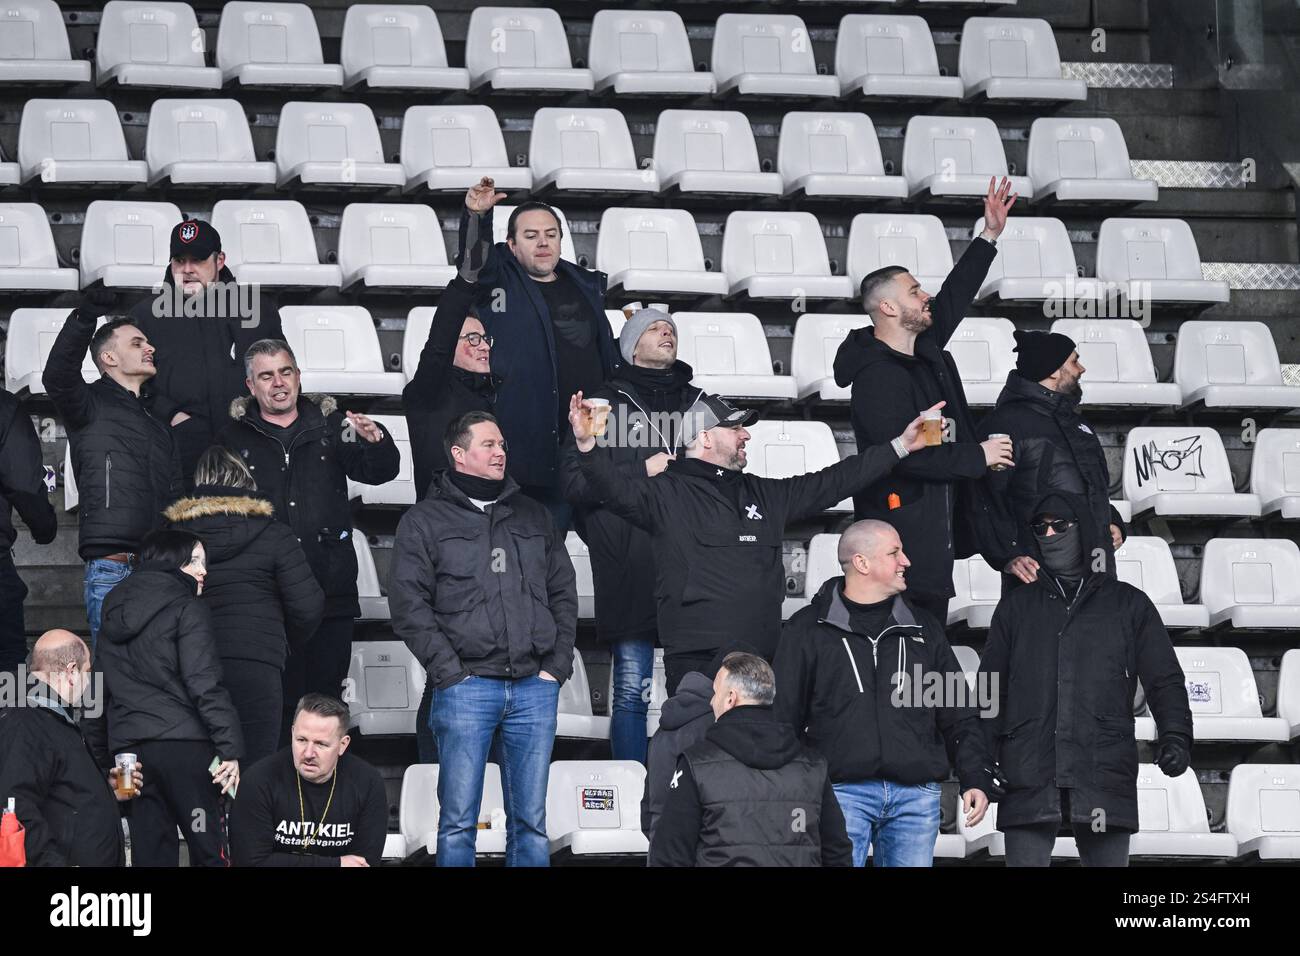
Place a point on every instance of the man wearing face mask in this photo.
(1067, 651)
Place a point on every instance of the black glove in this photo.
(1173, 754)
(98, 301)
(997, 783)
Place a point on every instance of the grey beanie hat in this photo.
(635, 327)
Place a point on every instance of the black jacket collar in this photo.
(1020, 389)
(829, 604)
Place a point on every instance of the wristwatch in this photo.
(992, 240)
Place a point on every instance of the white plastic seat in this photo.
(450, 148)
(28, 259)
(1085, 160)
(643, 53)
(501, 221)
(418, 323)
(374, 606)
(203, 143)
(1181, 470)
(817, 339)
(152, 44)
(70, 142)
(587, 150)
(34, 47)
(521, 48)
(712, 152)
(338, 351)
(654, 250)
(270, 242)
(332, 144)
(1275, 471)
(1230, 365)
(1012, 59)
(982, 836)
(978, 589)
(890, 57)
(1224, 699)
(1288, 692)
(1124, 508)
(729, 354)
(616, 320)
(388, 683)
(768, 56)
(1172, 822)
(968, 659)
(71, 497)
(127, 244)
(1035, 261)
(397, 491)
(947, 156)
(821, 564)
(983, 350)
(1117, 356)
(10, 174)
(784, 449)
(1264, 810)
(574, 718)
(1252, 583)
(917, 243)
(1148, 565)
(27, 347)
(580, 556)
(834, 154)
(593, 807)
(1156, 260)
(418, 810)
(396, 47)
(779, 255)
(272, 44)
(392, 246)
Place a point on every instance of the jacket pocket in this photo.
(724, 555)
(1114, 750)
(1015, 753)
(544, 631)
(461, 608)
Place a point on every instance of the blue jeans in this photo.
(464, 718)
(902, 820)
(101, 577)
(633, 666)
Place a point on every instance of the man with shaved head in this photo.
(869, 679)
(65, 802)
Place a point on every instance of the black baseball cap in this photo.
(712, 411)
(194, 239)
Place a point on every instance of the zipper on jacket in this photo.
(108, 478)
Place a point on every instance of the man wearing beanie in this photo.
(1055, 450)
(648, 396)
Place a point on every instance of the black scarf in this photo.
(1063, 554)
(659, 388)
(479, 489)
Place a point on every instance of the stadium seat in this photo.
(575, 718)
(968, 659)
(729, 354)
(1264, 810)
(1124, 508)
(580, 556)
(1035, 261)
(765, 55)
(71, 499)
(981, 836)
(152, 45)
(785, 449)
(450, 148)
(890, 57)
(955, 156)
(10, 174)
(272, 45)
(34, 47)
(1275, 471)
(917, 243)
(332, 144)
(501, 221)
(27, 345)
(834, 154)
(817, 338)
(586, 151)
(616, 320)
(978, 589)
(396, 47)
(418, 323)
(386, 683)
(418, 810)
(1172, 822)
(1120, 370)
(202, 143)
(1013, 59)
(338, 350)
(779, 255)
(593, 808)
(1148, 565)
(1224, 699)
(710, 152)
(75, 142)
(1181, 471)
(1252, 583)
(643, 53)
(374, 606)
(521, 48)
(1288, 692)
(1155, 260)
(1083, 160)
(654, 250)
(127, 244)
(270, 242)
(983, 350)
(1230, 365)
(391, 246)
(400, 490)
(28, 259)
(821, 564)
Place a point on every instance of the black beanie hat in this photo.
(1039, 354)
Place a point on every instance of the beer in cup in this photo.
(631, 309)
(125, 764)
(1000, 467)
(932, 427)
(599, 415)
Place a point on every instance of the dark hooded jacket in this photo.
(683, 720)
(22, 484)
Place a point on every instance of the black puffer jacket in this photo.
(125, 462)
(259, 588)
(22, 485)
(307, 484)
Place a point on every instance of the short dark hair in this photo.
(323, 705)
(169, 546)
(529, 207)
(102, 336)
(873, 282)
(458, 431)
(751, 677)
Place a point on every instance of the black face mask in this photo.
(481, 489)
(1062, 553)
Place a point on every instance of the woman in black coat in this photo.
(165, 703)
(264, 600)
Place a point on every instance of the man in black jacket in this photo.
(483, 593)
(749, 794)
(716, 531)
(200, 322)
(935, 500)
(22, 487)
(1067, 652)
(125, 461)
(301, 451)
(875, 687)
(1055, 450)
